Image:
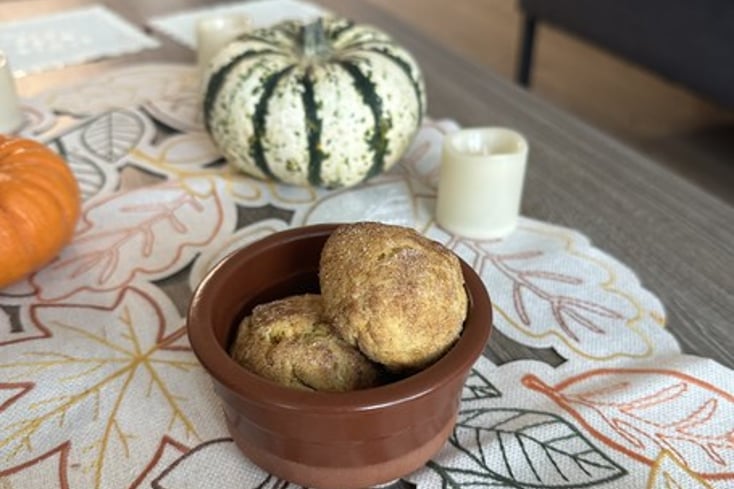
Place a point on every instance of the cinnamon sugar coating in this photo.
(392, 293)
(290, 342)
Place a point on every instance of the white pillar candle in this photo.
(10, 116)
(213, 33)
(480, 183)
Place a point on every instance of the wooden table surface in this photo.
(679, 239)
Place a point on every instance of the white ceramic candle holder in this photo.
(213, 33)
(481, 180)
(11, 118)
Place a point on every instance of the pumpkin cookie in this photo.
(392, 293)
(289, 341)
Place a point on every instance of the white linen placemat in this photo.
(181, 26)
(70, 37)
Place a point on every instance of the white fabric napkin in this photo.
(70, 37)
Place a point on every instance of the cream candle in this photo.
(213, 33)
(481, 180)
(10, 116)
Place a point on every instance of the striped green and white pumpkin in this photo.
(329, 104)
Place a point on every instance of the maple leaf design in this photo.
(168, 451)
(120, 381)
(54, 463)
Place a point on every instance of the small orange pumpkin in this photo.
(39, 206)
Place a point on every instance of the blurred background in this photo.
(689, 131)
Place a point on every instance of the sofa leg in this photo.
(525, 59)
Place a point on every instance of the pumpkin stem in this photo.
(314, 40)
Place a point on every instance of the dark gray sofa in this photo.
(690, 42)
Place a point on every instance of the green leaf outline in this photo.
(111, 135)
(484, 389)
(486, 479)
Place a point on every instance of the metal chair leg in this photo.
(525, 60)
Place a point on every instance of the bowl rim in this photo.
(252, 388)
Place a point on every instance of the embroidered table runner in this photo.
(99, 388)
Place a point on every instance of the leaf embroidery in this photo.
(58, 457)
(569, 312)
(89, 176)
(123, 362)
(38, 119)
(130, 86)
(521, 449)
(384, 201)
(179, 156)
(551, 288)
(668, 473)
(149, 232)
(519, 303)
(643, 412)
(180, 110)
(168, 451)
(212, 255)
(195, 469)
(16, 390)
(477, 386)
(14, 330)
(112, 135)
(231, 470)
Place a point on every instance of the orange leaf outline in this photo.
(534, 383)
(62, 450)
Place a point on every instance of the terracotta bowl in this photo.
(319, 439)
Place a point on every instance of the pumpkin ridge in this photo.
(258, 122)
(292, 31)
(39, 206)
(407, 69)
(28, 219)
(360, 34)
(216, 81)
(335, 34)
(48, 190)
(368, 91)
(42, 170)
(36, 171)
(12, 269)
(313, 125)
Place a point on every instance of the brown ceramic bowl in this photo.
(319, 439)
